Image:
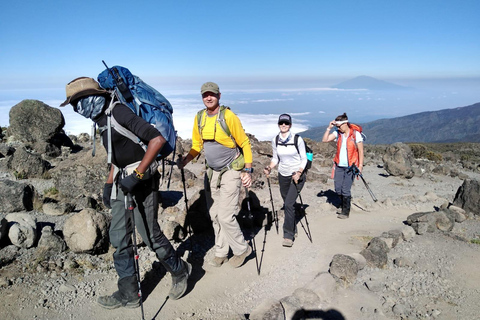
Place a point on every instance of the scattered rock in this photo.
(376, 253)
(87, 231)
(23, 229)
(344, 268)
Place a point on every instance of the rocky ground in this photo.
(429, 276)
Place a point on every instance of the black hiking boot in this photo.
(345, 208)
(126, 296)
(340, 206)
(180, 271)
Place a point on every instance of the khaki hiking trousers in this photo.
(222, 205)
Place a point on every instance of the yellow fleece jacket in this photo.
(212, 130)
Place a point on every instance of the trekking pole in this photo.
(129, 206)
(172, 163)
(357, 172)
(275, 217)
(250, 217)
(187, 222)
(368, 188)
(309, 234)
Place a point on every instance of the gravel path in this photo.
(432, 276)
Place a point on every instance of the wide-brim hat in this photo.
(82, 87)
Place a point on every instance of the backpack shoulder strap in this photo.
(222, 121)
(199, 120)
(295, 142)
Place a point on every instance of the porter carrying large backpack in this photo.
(308, 150)
(144, 100)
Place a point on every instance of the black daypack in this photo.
(308, 150)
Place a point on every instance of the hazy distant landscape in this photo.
(312, 103)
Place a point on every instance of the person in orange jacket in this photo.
(349, 156)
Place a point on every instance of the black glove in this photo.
(129, 183)
(107, 192)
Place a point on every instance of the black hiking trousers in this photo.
(289, 194)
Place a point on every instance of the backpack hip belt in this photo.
(237, 164)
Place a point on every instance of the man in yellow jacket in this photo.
(229, 167)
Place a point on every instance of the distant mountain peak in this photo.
(370, 83)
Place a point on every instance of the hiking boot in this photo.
(218, 261)
(345, 208)
(287, 242)
(237, 261)
(340, 206)
(126, 296)
(180, 282)
(115, 301)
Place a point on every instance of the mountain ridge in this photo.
(458, 124)
(369, 83)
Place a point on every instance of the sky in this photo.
(275, 51)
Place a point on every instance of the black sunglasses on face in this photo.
(284, 122)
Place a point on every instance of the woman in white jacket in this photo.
(290, 155)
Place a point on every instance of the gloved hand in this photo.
(107, 192)
(129, 183)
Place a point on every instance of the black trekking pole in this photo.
(188, 226)
(129, 206)
(309, 234)
(357, 172)
(250, 218)
(368, 188)
(275, 217)
(172, 163)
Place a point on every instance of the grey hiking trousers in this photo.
(146, 214)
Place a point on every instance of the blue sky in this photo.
(178, 45)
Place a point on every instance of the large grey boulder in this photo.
(23, 229)
(376, 253)
(344, 268)
(423, 222)
(81, 177)
(398, 160)
(468, 196)
(87, 232)
(26, 164)
(15, 196)
(39, 126)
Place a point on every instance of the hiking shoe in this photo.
(218, 261)
(287, 242)
(342, 216)
(116, 301)
(237, 261)
(180, 283)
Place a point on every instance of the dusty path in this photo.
(228, 293)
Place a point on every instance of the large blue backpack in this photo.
(145, 101)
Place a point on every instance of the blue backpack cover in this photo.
(145, 101)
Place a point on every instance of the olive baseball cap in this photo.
(210, 87)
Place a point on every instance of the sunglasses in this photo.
(284, 122)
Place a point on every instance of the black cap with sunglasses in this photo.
(284, 119)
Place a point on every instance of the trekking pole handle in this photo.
(130, 202)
